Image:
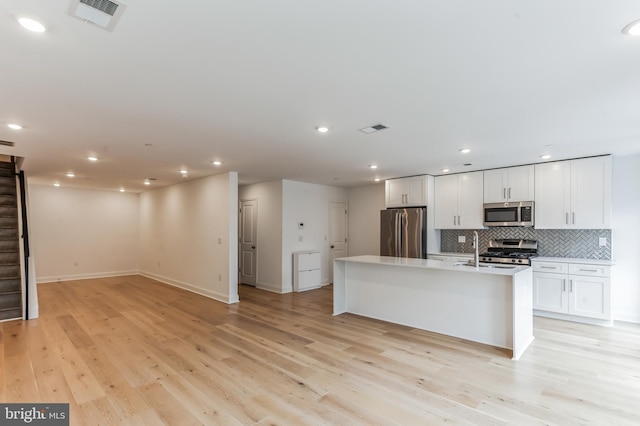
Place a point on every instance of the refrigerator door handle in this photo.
(398, 242)
(422, 243)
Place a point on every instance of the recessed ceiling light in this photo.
(217, 163)
(445, 170)
(465, 150)
(632, 29)
(322, 129)
(183, 171)
(147, 182)
(92, 158)
(373, 166)
(376, 180)
(71, 174)
(14, 126)
(121, 189)
(545, 156)
(32, 25)
(56, 184)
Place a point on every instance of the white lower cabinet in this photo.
(572, 291)
(306, 270)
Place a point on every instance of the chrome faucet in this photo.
(476, 257)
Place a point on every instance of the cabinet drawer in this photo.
(590, 270)
(552, 267)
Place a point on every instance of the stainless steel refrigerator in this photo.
(403, 232)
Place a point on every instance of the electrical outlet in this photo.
(462, 239)
(602, 241)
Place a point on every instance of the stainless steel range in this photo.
(511, 251)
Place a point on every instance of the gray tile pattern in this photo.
(581, 243)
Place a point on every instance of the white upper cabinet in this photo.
(553, 189)
(510, 184)
(406, 192)
(573, 194)
(446, 202)
(458, 201)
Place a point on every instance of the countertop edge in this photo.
(430, 264)
(574, 260)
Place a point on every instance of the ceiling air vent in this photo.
(102, 13)
(6, 143)
(373, 129)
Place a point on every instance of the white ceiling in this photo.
(248, 81)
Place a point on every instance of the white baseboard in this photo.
(633, 317)
(74, 277)
(185, 286)
(271, 288)
(573, 318)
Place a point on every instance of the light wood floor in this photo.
(129, 350)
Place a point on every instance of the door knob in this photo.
(333, 246)
(253, 247)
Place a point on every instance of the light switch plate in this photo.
(602, 241)
(462, 239)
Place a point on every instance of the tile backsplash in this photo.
(581, 243)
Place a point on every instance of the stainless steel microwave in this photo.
(509, 214)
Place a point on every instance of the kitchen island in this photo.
(487, 304)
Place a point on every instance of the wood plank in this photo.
(129, 350)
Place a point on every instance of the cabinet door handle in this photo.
(588, 270)
(504, 193)
(547, 267)
(509, 193)
(454, 220)
(573, 218)
(564, 285)
(566, 218)
(570, 286)
(458, 220)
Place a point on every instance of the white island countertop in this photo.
(491, 269)
(487, 304)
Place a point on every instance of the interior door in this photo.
(338, 220)
(248, 241)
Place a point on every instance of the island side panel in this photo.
(339, 295)
(468, 305)
(522, 312)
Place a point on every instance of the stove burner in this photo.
(510, 251)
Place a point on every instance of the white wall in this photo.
(307, 203)
(78, 233)
(269, 239)
(189, 235)
(365, 203)
(626, 238)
